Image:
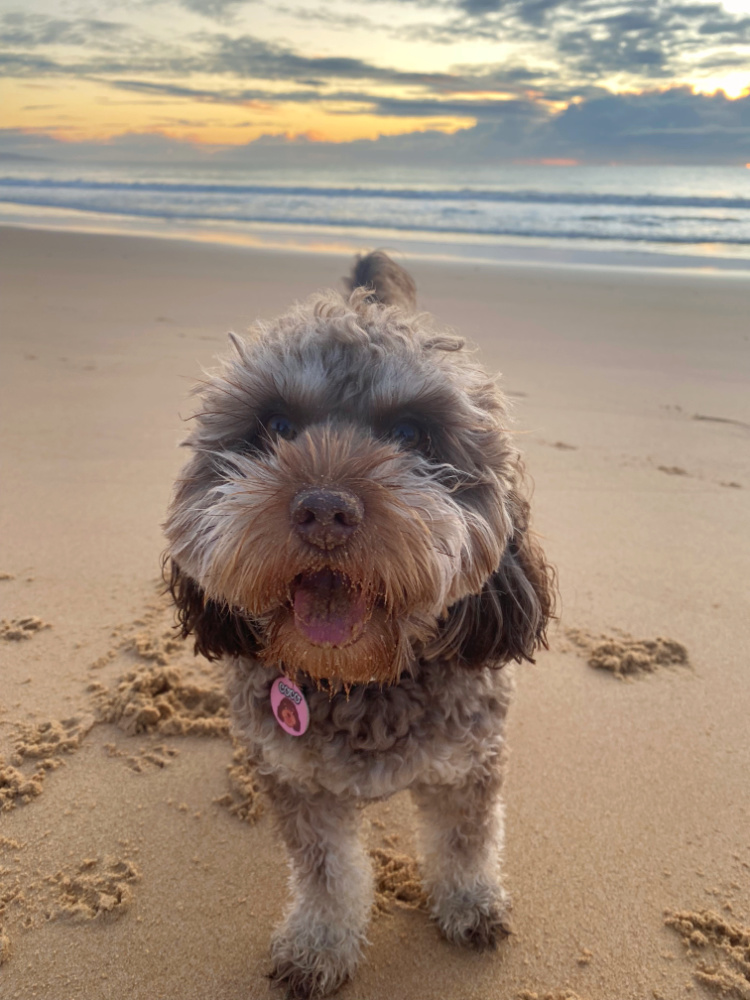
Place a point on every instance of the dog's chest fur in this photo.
(432, 727)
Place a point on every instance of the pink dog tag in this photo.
(289, 706)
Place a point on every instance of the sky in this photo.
(522, 80)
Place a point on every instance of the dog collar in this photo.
(289, 707)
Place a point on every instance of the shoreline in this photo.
(455, 249)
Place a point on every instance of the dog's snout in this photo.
(326, 518)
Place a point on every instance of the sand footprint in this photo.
(95, 890)
(47, 740)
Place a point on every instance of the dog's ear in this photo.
(508, 619)
(218, 631)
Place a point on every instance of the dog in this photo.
(351, 535)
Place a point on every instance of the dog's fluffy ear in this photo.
(218, 631)
(508, 619)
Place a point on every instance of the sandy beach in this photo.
(137, 860)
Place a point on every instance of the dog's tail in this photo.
(391, 284)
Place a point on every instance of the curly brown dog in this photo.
(351, 534)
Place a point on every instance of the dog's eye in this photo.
(279, 426)
(406, 434)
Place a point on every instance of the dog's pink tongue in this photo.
(328, 610)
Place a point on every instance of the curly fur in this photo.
(384, 280)
(441, 580)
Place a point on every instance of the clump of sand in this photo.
(17, 629)
(156, 648)
(161, 699)
(243, 798)
(163, 696)
(159, 695)
(624, 655)
(720, 949)
(95, 890)
(396, 881)
(43, 742)
(17, 787)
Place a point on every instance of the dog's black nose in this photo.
(326, 518)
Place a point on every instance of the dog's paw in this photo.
(302, 984)
(479, 921)
(313, 967)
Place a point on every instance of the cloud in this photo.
(349, 102)
(216, 54)
(596, 38)
(670, 126)
(242, 96)
(560, 50)
(23, 64)
(217, 10)
(333, 18)
(664, 126)
(253, 58)
(19, 29)
(483, 110)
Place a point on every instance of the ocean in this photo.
(672, 216)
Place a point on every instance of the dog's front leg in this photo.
(462, 839)
(318, 944)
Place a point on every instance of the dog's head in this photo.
(353, 502)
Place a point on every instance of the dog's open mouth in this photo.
(329, 610)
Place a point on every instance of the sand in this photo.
(137, 858)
